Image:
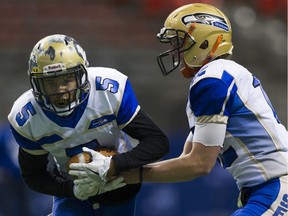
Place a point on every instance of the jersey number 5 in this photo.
(22, 117)
(107, 83)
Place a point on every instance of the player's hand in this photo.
(85, 190)
(98, 167)
(85, 176)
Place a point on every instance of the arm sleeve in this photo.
(37, 175)
(153, 143)
(216, 134)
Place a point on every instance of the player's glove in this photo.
(84, 190)
(98, 167)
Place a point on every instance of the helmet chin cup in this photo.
(65, 111)
(188, 72)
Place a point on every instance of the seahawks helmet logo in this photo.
(207, 19)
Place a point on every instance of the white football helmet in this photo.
(58, 57)
(198, 33)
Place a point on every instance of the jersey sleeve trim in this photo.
(135, 113)
(129, 105)
(212, 119)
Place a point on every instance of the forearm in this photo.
(200, 161)
(45, 183)
(36, 175)
(172, 170)
(153, 144)
(146, 152)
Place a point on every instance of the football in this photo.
(86, 157)
(107, 152)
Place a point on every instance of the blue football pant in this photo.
(268, 199)
(75, 207)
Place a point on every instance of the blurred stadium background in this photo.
(122, 34)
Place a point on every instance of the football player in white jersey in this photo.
(72, 107)
(230, 116)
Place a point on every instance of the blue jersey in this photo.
(255, 147)
(111, 105)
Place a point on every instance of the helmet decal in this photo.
(207, 19)
(51, 53)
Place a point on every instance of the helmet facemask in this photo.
(180, 41)
(60, 91)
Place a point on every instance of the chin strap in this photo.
(188, 72)
(211, 54)
(191, 28)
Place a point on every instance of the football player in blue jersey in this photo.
(73, 108)
(230, 116)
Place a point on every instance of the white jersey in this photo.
(255, 147)
(111, 105)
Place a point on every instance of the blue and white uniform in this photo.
(225, 96)
(109, 117)
(98, 121)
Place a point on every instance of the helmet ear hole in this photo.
(204, 45)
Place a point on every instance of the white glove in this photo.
(88, 189)
(84, 191)
(79, 193)
(98, 167)
(85, 177)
